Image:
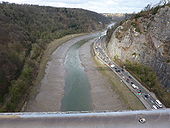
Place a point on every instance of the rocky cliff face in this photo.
(145, 39)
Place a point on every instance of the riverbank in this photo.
(48, 94)
(104, 97)
(49, 91)
(45, 59)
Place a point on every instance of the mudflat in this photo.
(104, 97)
(50, 91)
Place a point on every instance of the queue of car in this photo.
(156, 104)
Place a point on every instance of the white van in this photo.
(154, 107)
(134, 86)
(158, 103)
(112, 65)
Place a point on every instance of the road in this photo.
(145, 96)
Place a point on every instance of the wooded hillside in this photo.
(25, 31)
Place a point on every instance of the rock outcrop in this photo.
(145, 39)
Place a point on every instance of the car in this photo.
(117, 70)
(152, 101)
(154, 107)
(146, 96)
(112, 65)
(134, 86)
(157, 102)
(130, 77)
(139, 92)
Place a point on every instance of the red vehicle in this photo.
(139, 92)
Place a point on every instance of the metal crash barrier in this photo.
(126, 119)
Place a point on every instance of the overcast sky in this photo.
(100, 6)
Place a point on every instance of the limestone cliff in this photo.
(145, 38)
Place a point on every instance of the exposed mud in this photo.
(52, 88)
(104, 97)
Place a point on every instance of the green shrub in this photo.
(146, 74)
(155, 10)
(4, 84)
(19, 88)
(10, 107)
(168, 61)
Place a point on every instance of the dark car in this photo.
(130, 77)
(146, 96)
(117, 70)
